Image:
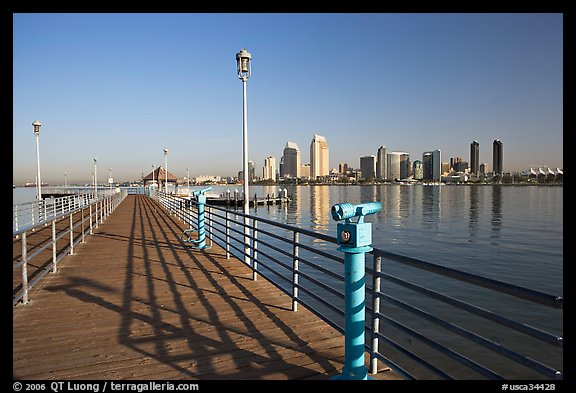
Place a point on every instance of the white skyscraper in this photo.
(319, 163)
(269, 170)
(381, 163)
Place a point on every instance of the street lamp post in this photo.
(95, 180)
(165, 170)
(244, 68)
(36, 126)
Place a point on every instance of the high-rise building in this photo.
(269, 170)
(251, 171)
(319, 164)
(368, 166)
(432, 165)
(343, 168)
(397, 163)
(381, 162)
(417, 170)
(291, 161)
(474, 157)
(305, 171)
(484, 169)
(497, 156)
(281, 166)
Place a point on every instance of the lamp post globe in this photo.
(36, 129)
(166, 170)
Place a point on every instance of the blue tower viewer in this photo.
(200, 242)
(355, 239)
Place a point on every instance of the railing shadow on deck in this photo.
(157, 234)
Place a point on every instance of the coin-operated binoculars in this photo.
(200, 242)
(355, 239)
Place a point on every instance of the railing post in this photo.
(295, 272)
(82, 223)
(209, 224)
(24, 270)
(33, 212)
(254, 249)
(71, 235)
(16, 218)
(54, 268)
(96, 218)
(227, 235)
(376, 269)
(102, 211)
(90, 219)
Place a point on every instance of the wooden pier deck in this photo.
(134, 302)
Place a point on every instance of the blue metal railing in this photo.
(50, 213)
(427, 334)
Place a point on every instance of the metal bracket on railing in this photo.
(200, 242)
(355, 239)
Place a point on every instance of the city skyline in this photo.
(411, 82)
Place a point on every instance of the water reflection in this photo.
(320, 207)
(431, 206)
(473, 211)
(496, 212)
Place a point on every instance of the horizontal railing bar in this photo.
(520, 327)
(394, 366)
(317, 297)
(500, 286)
(413, 356)
(526, 361)
(320, 284)
(306, 232)
(441, 348)
(322, 253)
(324, 270)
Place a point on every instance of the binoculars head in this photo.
(201, 192)
(346, 211)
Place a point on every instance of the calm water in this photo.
(509, 233)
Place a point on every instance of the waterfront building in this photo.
(281, 166)
(474, 157)
(397, 163)
(417, 170)
(319, 163)
(305, 171)
(446, 168)
(484, 169)
(269, 169)
(251, 171)
(431, 161)
(497, 156)
(343, 168)
(290, 163)
(381, 162)
(368, 166)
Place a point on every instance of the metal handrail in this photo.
(64, 207)
(276, 248)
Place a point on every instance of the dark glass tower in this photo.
(497, 157)
(475, 157)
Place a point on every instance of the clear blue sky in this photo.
(122, 87)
